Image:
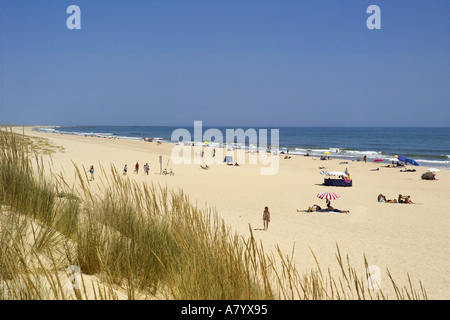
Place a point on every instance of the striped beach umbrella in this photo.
(328, 196)
(332, 173)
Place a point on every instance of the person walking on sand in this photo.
(146, 168)
(124, 173)
(266, 218)
(136, 167)
(91, 170)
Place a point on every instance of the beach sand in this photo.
(405, 239)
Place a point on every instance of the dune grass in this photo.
(140, 239)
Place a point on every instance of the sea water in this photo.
(430, 147)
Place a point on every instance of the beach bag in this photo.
(428, 176)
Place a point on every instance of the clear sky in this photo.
(225, 62)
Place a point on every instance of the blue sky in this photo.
(226, 63)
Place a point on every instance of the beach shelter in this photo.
(405, 159)
(228, 159)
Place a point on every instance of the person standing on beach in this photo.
(91, 170)
(136, 167)
(365, 158)
(266, 218)
(125, 170)
(146, 168)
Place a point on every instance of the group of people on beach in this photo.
(125, 170)
(394, 164)
(136, 168)
(401, 199)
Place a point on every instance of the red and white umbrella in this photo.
(328, 196)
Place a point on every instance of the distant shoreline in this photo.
(346, 144)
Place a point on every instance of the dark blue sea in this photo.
(430, 147)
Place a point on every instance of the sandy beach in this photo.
(402, 238)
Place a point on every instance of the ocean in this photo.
(430, 147)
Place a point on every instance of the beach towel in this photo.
(347, 180)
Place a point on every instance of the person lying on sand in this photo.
(382, 198)
(330, 208)
(403, 199)
(408, 170)
(408, 199)
(311, 209)
(317, 208)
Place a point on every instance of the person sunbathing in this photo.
(408, 200)
(330, 208)
(311, 209)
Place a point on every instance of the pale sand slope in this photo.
(403, 238)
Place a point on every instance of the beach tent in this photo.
(228, 159)
(344, 182)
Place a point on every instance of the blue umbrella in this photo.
(412, 161)
(401, 158)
